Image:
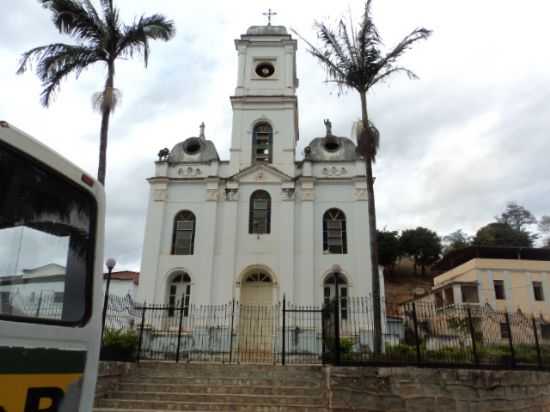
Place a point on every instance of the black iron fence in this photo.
(341, 332)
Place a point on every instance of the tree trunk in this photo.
(376, 304)
(103, 134)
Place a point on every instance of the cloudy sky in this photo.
(470, 135)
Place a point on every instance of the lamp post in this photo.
(110, 263)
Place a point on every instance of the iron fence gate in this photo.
(341, 333)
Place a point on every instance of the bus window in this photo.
(46, 243)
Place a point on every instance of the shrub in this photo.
(119, 345)
(346, 345)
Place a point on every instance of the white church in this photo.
(262, 224)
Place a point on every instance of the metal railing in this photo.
(340, 333)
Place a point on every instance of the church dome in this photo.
(268, 30)
(194, 150)
(331, 149)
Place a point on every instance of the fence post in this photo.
(284, 331)
(140, 341)
(510, 341)
(337, 328)
(39, 307)
(231, 330)
(179, 332)
(416, 337)
(537, 344)
(473, 336)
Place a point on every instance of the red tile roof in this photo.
(124, 275)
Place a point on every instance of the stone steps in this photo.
(119, 405)
(160, 387)
(216, 397)
(306, 391)
(228, 380)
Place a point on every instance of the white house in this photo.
(261, 224)
(39, 291)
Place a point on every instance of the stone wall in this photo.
(109, 374)
(423, 390)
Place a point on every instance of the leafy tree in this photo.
(388, 247)
(456, 240)
(354, 59)
(423, 245)
(544, 227)
(516, 216)
(101, 37)
(502, 234)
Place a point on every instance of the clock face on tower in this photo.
(265, 69)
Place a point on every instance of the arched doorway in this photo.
(256, 318)
(179, 292)
(257, 289)
(337, 281)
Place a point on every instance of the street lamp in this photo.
(110, 263)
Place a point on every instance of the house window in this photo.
(538, 292)
(469, 294)
(438, 299)
(329, 292)
(260, 212)
(504, 331)
(179, 293)
(499, 289)
(449, 296)
(545, 331)
(262, 144)
(184, 233)
(334, 232)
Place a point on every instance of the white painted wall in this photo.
(224, 250)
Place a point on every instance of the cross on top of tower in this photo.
(269, 14)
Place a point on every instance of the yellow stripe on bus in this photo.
(17, 389)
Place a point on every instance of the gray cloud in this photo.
(456, 145)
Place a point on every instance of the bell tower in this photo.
(265, 108)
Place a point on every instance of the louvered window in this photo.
(334, 232)
(260, 212)
(262, 145)
(184, 233)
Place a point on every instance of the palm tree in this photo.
(101, 37)
(354, 60)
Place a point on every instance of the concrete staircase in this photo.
(160, 387)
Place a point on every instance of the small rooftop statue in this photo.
(201, 133)
(328, 125)
(163, 154)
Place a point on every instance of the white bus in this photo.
(51, 216)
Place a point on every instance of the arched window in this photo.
(179, 293)
(260, 212)
(184, 233)
(258, 277)
(262, 143)
(334, 232)
(331, 283)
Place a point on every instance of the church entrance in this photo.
(256, 318)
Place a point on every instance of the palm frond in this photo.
(53, 80)
(135, 38)
(335, 72)
(52, 57)
(381, 77)
(353, 59)
(75, 18)
(390, 58)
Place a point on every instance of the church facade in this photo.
(261, 225)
